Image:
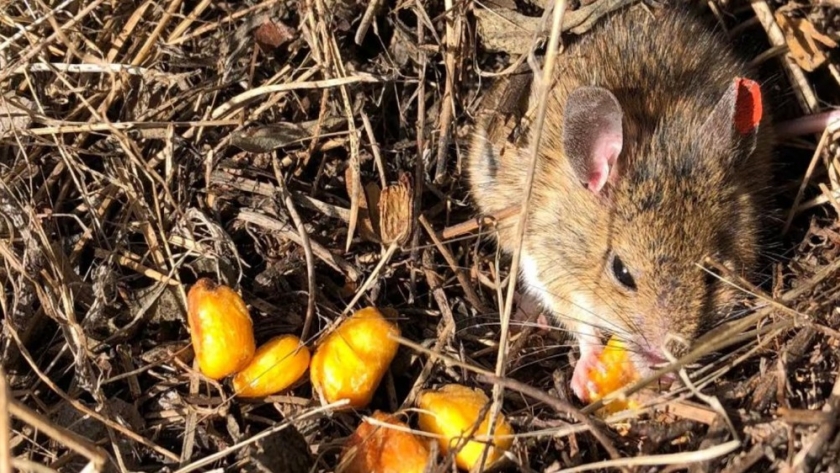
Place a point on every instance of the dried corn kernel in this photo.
(452, 412)
(278, 364)
(377, 449)
(221, 329)
(618, 371)
(351, 361)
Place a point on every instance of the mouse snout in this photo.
(681, 308)
(655, 350)
(654, 354)
(645, 357)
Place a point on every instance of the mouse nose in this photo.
(650, 359)
(654, 348)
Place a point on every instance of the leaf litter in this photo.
(309, 154)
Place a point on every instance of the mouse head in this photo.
(647, 202)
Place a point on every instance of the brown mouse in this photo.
(654, 155)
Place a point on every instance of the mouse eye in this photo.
(622, 274)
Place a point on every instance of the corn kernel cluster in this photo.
(349, 364)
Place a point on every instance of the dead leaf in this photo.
(404, 47)
(263, 139)
(14, 115)
(373, 194)
(504, 30)
(802, 38)
(396, 210)
(368, 220)
(284, 451)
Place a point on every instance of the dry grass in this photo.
(145, 144)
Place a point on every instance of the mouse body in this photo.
(654, 155)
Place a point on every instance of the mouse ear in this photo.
(734, 122)
(592, 134)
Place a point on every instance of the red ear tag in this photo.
(748, 107)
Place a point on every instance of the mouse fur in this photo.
(685, 183)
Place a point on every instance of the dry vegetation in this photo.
(144, 144)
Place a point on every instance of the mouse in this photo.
(655, 154)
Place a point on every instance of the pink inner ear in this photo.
(604, 155)
(748, 106)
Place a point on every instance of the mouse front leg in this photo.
(571, 310)
(574, 312)
(590, 361)
(573, 317)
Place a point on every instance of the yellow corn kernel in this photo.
(278, 364)
(351, 361)
(452, 412)
(618, 372)
(221, 329)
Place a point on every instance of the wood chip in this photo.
(273, 34)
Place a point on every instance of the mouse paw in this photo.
(582, 383)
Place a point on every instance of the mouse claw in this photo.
(582, 381)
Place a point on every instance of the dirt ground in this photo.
(146, 144)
